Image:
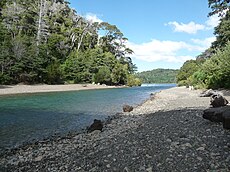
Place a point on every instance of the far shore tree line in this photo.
(46, 41)
(158, 76)
(211, 69)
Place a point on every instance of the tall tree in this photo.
(222, 32)
(218, 6)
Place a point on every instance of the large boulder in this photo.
(218, 100)
(97, 125)
(226, 119)
(213, 114)
(219, 114)
(127, 108)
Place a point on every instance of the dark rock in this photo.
(97, 125)
(208, 93)
(226, 119)
(213, 114)
(127, 108)
(220, 114)
(218, 100)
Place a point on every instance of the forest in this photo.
(158, 76)
(211, 69)
(46, 41)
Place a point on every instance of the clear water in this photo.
(26, 118)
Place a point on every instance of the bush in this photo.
(54, 74)
(132, 81)
(187, 70)
(182, 83)
(216, 70)
(103, 76)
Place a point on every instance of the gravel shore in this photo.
(25, 89)
(165, 133)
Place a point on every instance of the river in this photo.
(30, 117)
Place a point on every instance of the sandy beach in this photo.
(24, 89)
(166, 133)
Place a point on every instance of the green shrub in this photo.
(132, 81)
(103, 76)
(216, 70)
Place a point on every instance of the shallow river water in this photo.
(30, 117)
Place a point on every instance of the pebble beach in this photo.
(165, 133)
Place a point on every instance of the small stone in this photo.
(200, 149)
(109, 155)
(20, 158)
(108, 166)
(175, 143)
(39, 158)
(93, 169)
(142, 168)
(169, 140)
(199, 158)
(188, 145)
(126, 169)
(168, 159)
(159, 164)
(150, 169)
(148, 156)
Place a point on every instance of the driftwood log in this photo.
(209, 93)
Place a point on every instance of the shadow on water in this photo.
(16, 130)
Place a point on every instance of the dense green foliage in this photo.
(45, 41)
(215, 72)
(218, 6)
(158, 76)
(211, 69)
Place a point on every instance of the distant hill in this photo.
(158, 76)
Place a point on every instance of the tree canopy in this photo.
(218, 6)
(45, 41)
(211, 69)
(158, 76)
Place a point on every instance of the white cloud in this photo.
(190, 27)
(212, 22)
(156, 50)
(205, 42)
(193, 28)
(168, 51)
(93, 18)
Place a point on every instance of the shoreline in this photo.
(163, 132)
(29, 89)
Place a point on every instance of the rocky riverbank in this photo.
(166, 133)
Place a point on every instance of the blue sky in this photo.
(162, 34)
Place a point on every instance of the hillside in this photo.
(158, 76)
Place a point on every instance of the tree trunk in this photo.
(82, 36)
(40, 22)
